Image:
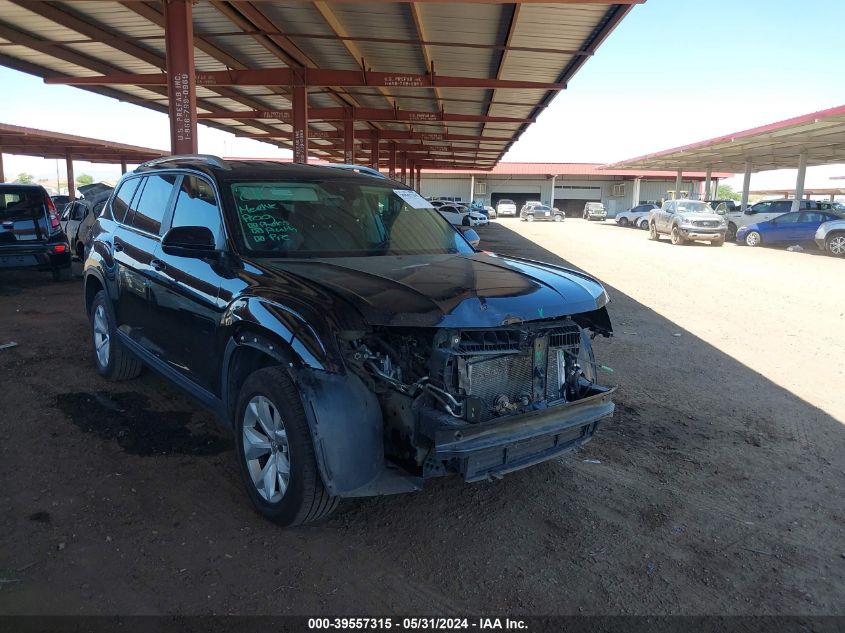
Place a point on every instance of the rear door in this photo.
(781, 228)
(135, 243)
(808, 222)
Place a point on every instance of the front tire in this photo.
(623, 222)
(731, 234)
(276, 453)
(719, 242)
(753, 239)
(113, 360)
(558, 218)
(835, 244)
(529, 218)
(677, 238)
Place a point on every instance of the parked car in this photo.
(540, 212)
(506, 208)
(477, 218)
(687, 220)
(79, 216)
(457, 215)
(31, 235)
(830, 237)
(491, 212)
(792, 228)
(636, 216)
(730, 206)
(764, 211)
(60, 202)
(594, 211)
(352, 339)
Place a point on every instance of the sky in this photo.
(674, 72)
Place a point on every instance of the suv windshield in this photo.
(339, 218)
(694, 206)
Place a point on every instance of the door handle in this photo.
(158, 265)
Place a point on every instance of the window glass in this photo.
(789, 218)
(120, 204)
(761, 207)
(338, 218)
(813, 217)
(196, 205)
(781, 206)
(150, 210)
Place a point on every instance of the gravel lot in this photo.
(719, 487)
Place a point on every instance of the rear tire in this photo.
(558, 218)
(835, 244)
(529, 218)
(652, 232)
(113, 360)
(276, 452)
(61, 274)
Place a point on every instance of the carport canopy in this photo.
(807, 140)
(396, 84)
(28, 141)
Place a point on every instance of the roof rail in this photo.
(216, 161)
(361, 169)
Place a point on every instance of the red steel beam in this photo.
(391, 161)
(419, 177)
(363, 114)
(300, 124)
(309, 77)
(349, 141)
(181, 87)
(375, 149)
(389, 135)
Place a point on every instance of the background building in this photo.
(566, 186)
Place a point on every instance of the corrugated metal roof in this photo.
(819, 135)
(29, 141)
(529, 42)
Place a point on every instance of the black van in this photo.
(30, 233)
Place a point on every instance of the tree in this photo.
(25, 179)
(726, 192)
(84, 179)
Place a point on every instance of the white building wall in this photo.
(566, 188)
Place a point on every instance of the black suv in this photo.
(30, 232)
(349, 335)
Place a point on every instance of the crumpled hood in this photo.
(480, 290)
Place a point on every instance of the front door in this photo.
(184, 299)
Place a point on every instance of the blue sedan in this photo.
(791, 228)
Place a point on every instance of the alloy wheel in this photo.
(266, 449)
(753, 239)
(101, 336)
(836, 245)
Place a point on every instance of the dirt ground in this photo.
(719, 487)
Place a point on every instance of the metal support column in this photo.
(122, 165)
(375, 150)
(182, 86)
(349, 139)
(71, 190)
(391, 161)
(472, 188)
(746, 185)
(2, 174)
(707, 191)
(403, 166)
(300, 124)
(635, 192)
(799, 182)
(412, 175)
(679, 182)
(554, 182)
(419, 179)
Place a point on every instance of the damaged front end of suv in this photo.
(483, 402)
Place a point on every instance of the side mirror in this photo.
(189, 241)
(472, 237)
(749, 211)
